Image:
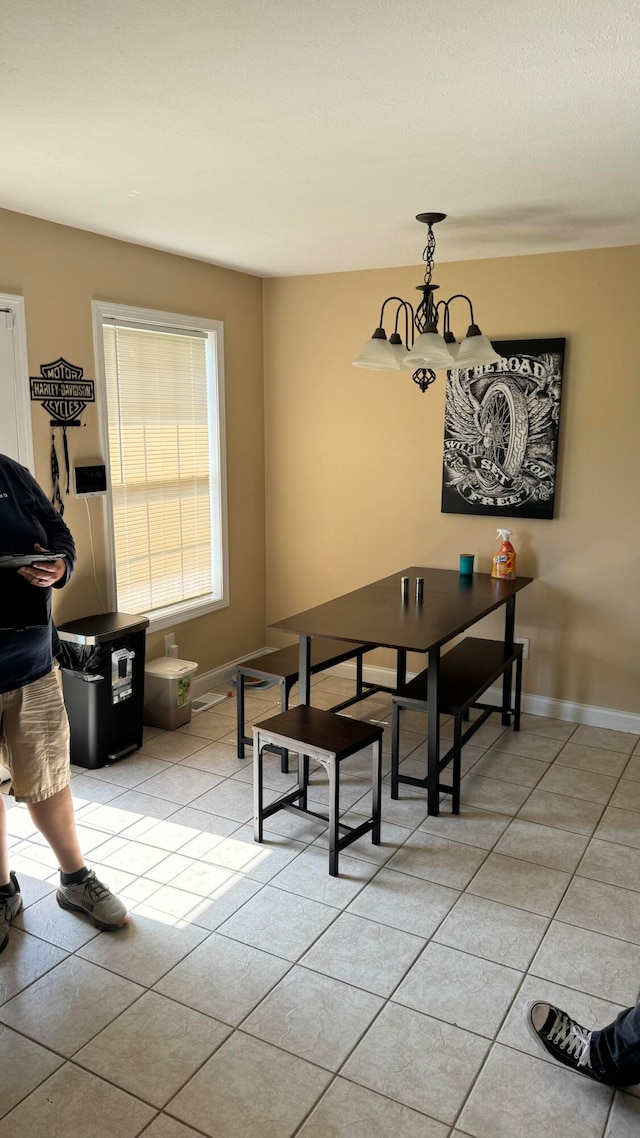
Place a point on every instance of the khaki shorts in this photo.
(34, 739)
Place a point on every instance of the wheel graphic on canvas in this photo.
(504, 422)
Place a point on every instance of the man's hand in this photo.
(44, 574)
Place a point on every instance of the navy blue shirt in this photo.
(27, 517)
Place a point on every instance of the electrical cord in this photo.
(93, 557)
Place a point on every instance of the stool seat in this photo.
(329, 738)
(320, 730)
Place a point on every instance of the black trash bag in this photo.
(92, 661)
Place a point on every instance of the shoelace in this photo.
(572, 1038)
(96, 889)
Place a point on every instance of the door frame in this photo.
(21, 388)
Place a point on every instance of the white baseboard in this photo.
(206, 681)
(569, 712)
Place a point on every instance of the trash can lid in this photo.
(101, 627)
(169, 668)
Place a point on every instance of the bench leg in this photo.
(376, 792)
(395, 749)
(257, 788)
(284, 706)
(334, 814)
(240, 713)
(359, 673)
(516, 712)
(506, 697)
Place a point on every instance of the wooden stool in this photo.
(465, 674)
(281, 666)
(329, 738)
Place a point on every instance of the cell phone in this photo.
(17, 560)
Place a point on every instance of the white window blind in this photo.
(164, 464)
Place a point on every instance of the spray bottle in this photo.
(504, 562)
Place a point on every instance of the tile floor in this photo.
(254, 996)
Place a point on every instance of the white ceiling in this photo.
(302, 136)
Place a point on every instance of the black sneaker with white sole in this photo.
(562, 1037)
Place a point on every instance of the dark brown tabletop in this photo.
(375, 614)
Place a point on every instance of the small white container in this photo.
(167, 692)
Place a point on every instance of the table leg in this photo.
(433, 732)
(376, 792)
(401, 669)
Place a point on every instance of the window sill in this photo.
(179, 614)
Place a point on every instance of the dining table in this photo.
(378, 615)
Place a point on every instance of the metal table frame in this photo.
(433, 658)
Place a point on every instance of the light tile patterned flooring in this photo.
(254, 996)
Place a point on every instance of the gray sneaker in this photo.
(96, 900)
(9, 908)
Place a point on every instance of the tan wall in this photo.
(354, 458)
(59, 271)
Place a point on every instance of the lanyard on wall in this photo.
(56, 496)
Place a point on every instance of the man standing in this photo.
(34, 731)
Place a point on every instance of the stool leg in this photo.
(516, 712)
(240, 714)
(334, 813)
(376, 792)
(457, 759)
(395, 748)
(257, 787)
(303, 780)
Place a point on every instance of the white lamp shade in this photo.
(400, 354)
(476, 350)
(380, 355)
(454, 348)
(430, 350)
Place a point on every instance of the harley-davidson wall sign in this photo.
(62, 390)
(501, 432)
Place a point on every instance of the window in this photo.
(163, 431)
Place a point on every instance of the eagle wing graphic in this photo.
(461, 411)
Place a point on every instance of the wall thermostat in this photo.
(90, 480)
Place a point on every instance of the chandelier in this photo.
(424, 350)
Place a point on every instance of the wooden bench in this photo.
(327, 738)
(466, 672)
(281, 666)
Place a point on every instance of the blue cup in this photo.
(466, 564)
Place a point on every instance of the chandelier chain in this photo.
(428, 256)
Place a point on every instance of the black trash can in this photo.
(102, 662)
